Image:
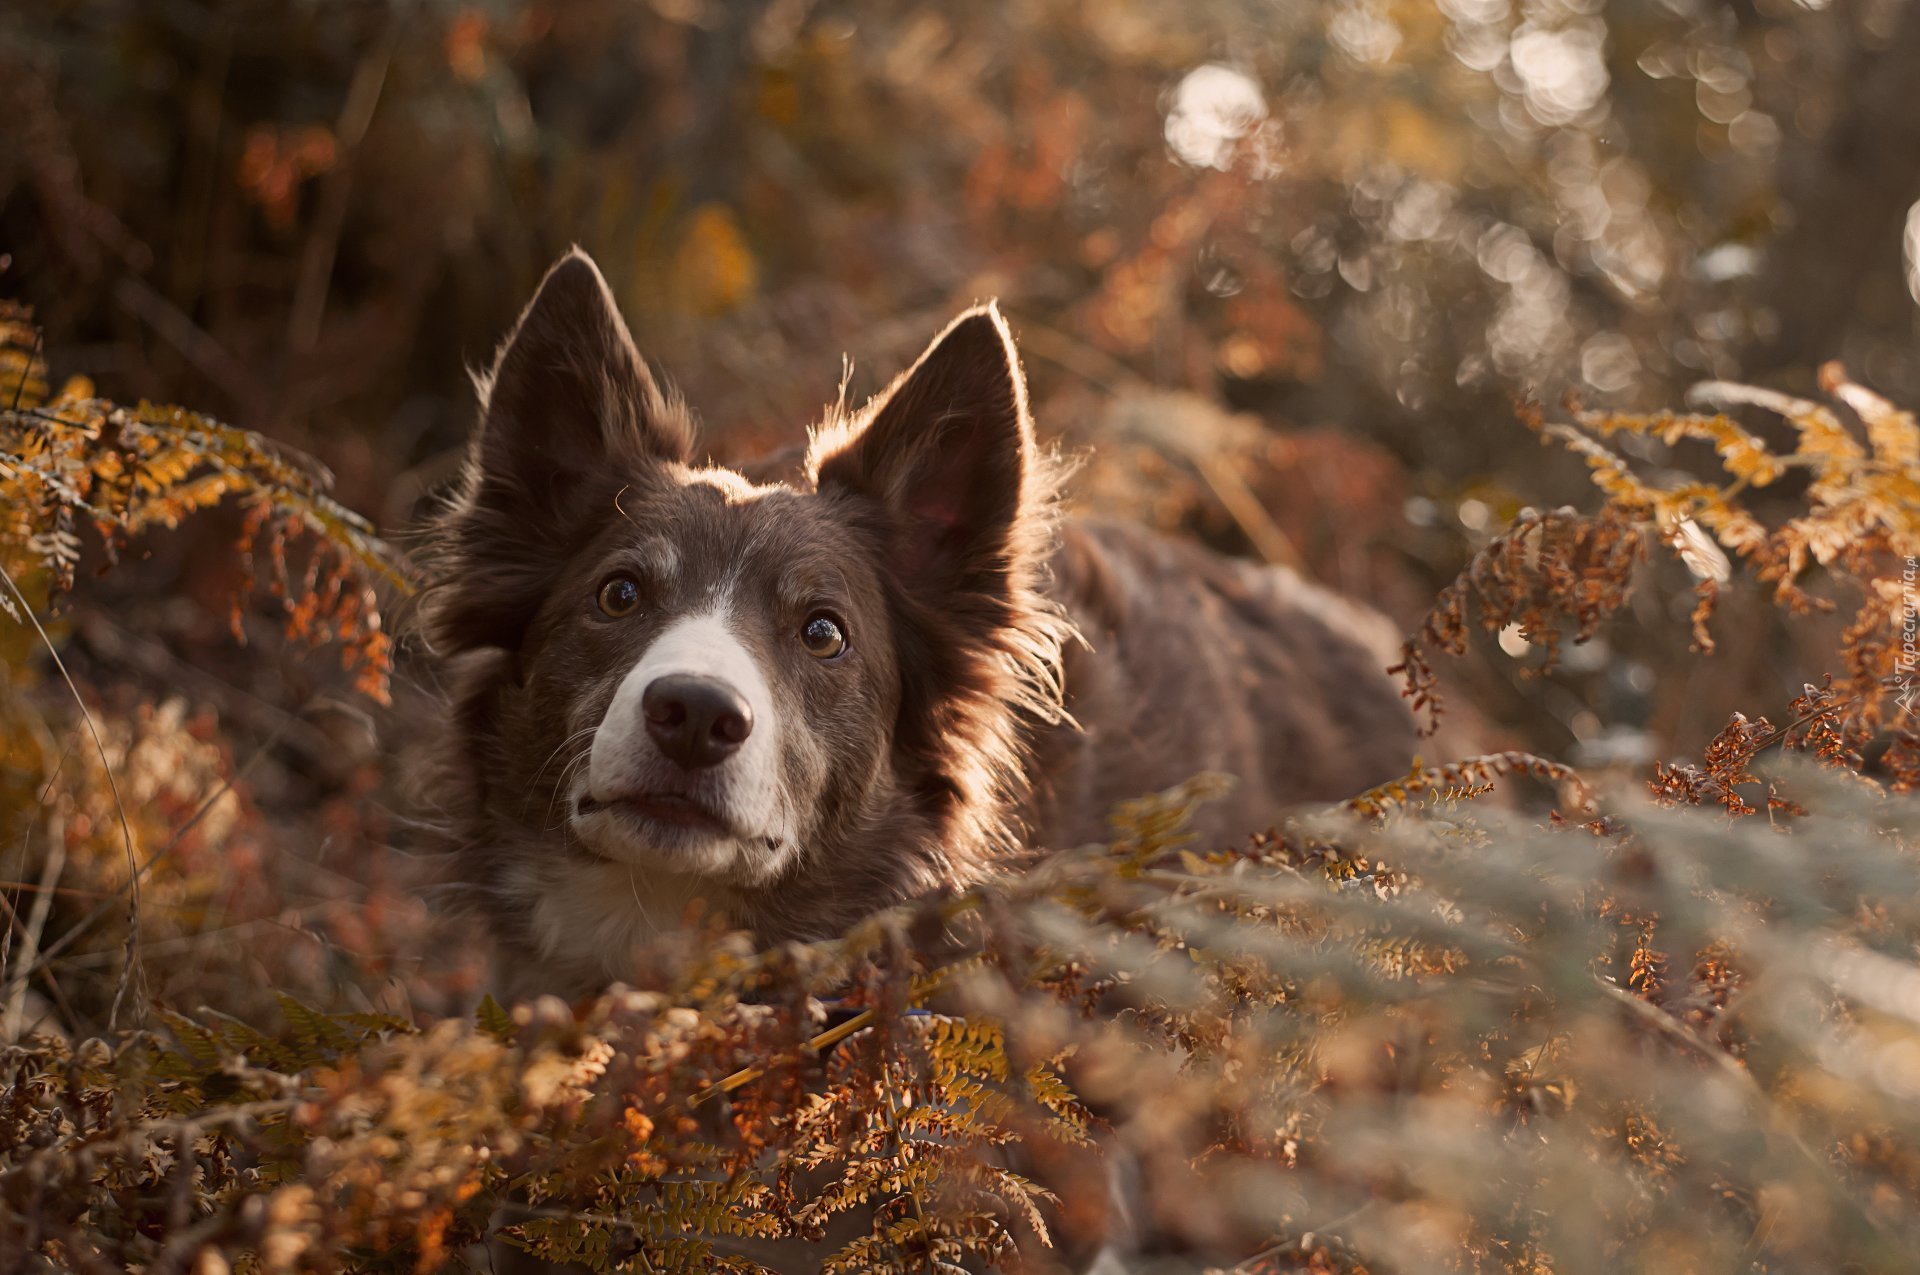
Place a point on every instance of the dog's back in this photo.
(1193, 662)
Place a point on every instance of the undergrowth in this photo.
(103, 809)
(1672, 1025)
(71, 462)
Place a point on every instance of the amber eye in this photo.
(822, 636)
(619, 596)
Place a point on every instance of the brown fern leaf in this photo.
(1861, 530)
(1466, 779)
(1546, 572)
(70, 460)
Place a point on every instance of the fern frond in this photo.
(1862, 522)
(70, 459)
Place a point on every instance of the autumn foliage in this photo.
(1853, 545)
(1647, 1026)
(71, 462)
(1634, 991)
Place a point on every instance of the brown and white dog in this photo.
(806, 691)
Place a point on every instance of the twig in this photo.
(1245, 508)
(198, 346)
(186, 942)
(818, 1044)
(1092, 365)
(1102, 370)
(1246, 1265)
(113, 784)
(31, 930)
(1767, 1110)
(923, 987)
(26, 847)
(316, 264)
(26, 369)
(87, 922)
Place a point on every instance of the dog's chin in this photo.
(661, 832)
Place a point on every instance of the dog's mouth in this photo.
(661, 810)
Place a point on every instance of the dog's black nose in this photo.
(696, 721)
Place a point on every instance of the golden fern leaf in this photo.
(1072, 1121)
(74, 459)
(965, 1046)
(1862, 518)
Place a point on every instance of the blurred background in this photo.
(1280, 270)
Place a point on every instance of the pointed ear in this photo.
(567, 404)
(948, 452)
(569, 393)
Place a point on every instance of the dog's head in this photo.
(670, 667)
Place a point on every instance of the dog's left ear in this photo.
(568, 396)
(568, 402)
(949, 453)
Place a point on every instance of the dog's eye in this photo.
(619, 596)
(822, 636)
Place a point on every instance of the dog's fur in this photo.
(963, 717)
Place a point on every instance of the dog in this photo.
(789, 694)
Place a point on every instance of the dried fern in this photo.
(1861, 530)
(1398, 1034)
(1530, 1033)
(71, 461)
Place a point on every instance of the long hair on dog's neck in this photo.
(982, 671)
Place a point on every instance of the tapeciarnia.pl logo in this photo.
(1908, 659)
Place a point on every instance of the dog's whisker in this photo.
(560, 784)
(579, 734)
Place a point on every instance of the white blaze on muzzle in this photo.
(625, 761)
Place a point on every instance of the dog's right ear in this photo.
(568, 402)
(948, 454)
